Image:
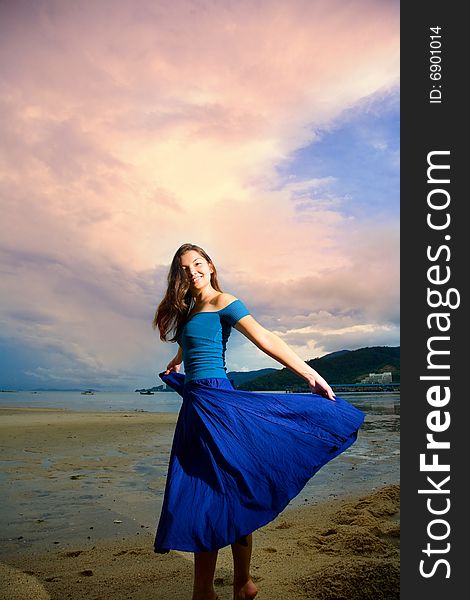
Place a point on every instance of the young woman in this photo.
(237, 458)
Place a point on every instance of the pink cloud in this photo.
(130, 128)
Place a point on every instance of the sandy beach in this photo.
(79, 523)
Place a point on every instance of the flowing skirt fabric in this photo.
(238, 458)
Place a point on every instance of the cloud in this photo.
(130, 128)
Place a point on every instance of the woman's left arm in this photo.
(273, 346)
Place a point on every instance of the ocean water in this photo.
(98, 402)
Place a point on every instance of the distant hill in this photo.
(241, 377)
(342, 367)
(335, 354)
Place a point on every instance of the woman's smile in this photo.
(196, 279)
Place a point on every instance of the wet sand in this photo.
(343, 548)
(71, 475)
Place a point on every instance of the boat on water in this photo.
(88, 392)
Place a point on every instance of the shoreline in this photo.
(130, 401)
(11, 411)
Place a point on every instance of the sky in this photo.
(266, 132)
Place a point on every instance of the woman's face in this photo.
(196, 268)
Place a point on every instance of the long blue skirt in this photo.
(238, 458)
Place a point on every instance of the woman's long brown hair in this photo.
(177, 302)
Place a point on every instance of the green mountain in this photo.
(241, 377)
(343, 367)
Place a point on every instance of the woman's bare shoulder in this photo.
(224, 299)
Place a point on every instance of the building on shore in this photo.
(378, 378)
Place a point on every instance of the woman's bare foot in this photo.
(245, 591)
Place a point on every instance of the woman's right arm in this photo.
(276, 348)
(175, 363)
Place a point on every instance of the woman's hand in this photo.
(174, 365)
(318, 385)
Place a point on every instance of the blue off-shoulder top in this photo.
(203, 339)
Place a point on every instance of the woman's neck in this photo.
(204, 297)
